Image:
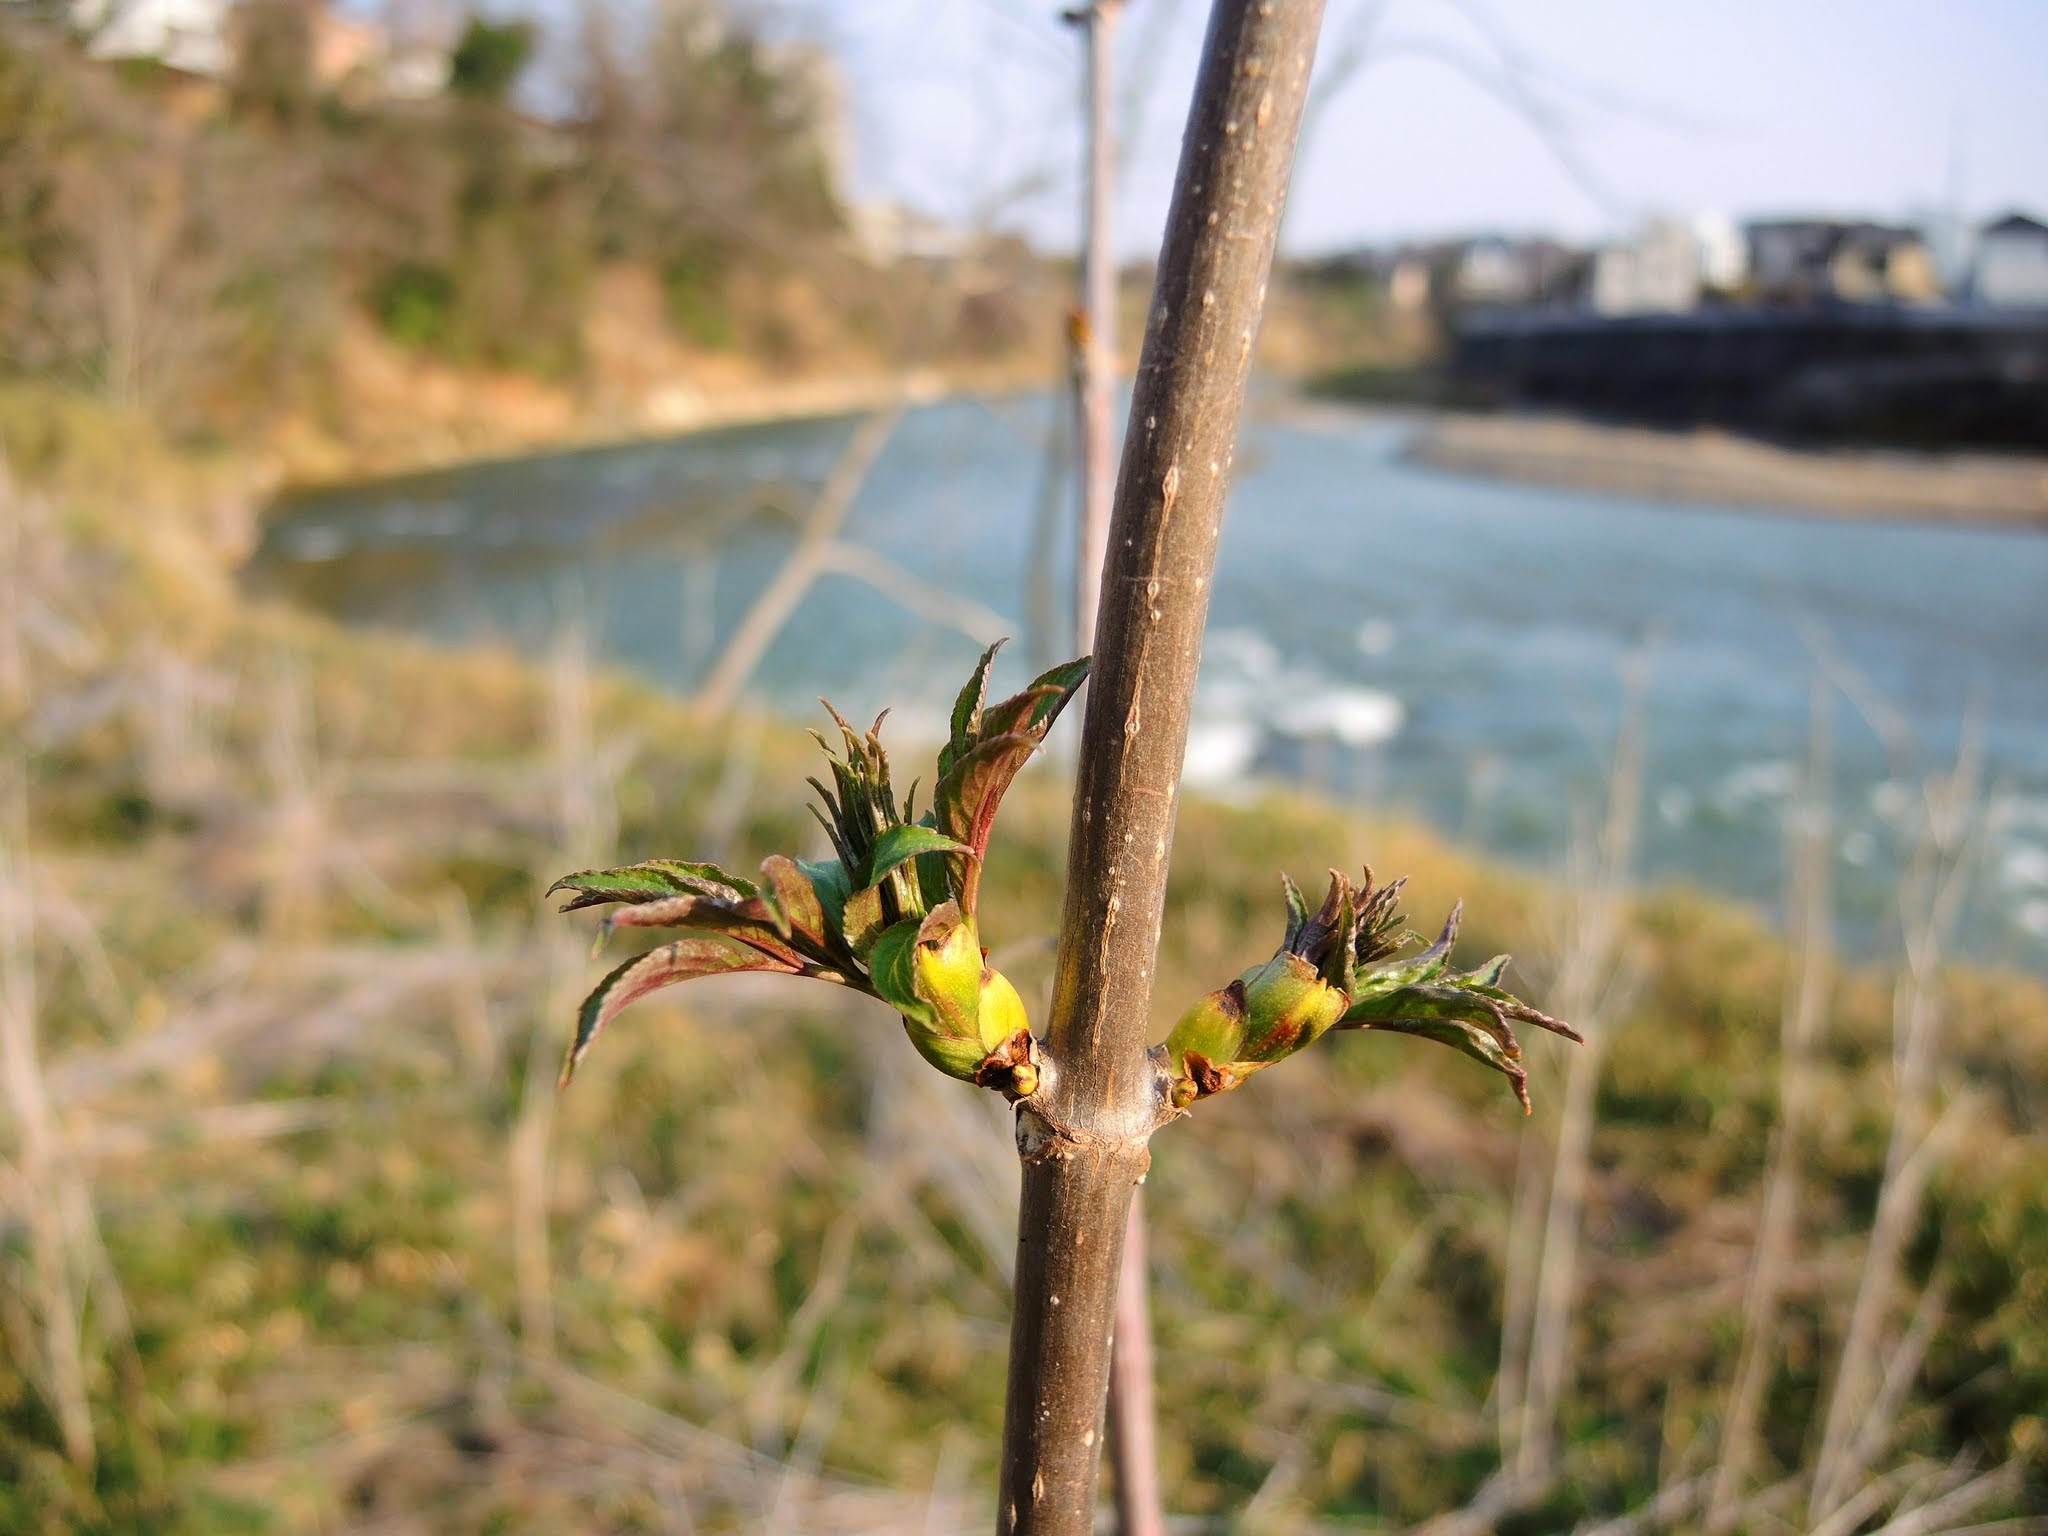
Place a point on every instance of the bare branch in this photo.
(779, 599)
(924, 599)
(1083, 1137)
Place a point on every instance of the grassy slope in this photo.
(295, 1087)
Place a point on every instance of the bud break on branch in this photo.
(896, 914)
(893, 914)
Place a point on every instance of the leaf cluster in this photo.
(1339, 967)
(894, 911)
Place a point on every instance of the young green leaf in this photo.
(1475, 1042)
(649, 881)
(683, 960)
(901, 843)
(966, 719)
(967, 800)
(792, 897)
(697, 912)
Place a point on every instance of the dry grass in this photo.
(293, 995)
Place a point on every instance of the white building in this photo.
(1490, 271)
(199, 38)
(1657, 272)
(1408, 284)
(1724, 252)
(2011, 269)
(889, 232)
(191, 35)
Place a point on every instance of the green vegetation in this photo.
(694, 281)
(1344, 968)
(490, 58)
(1380, 384)
(893, 913)
(415, 303)
(299, 1004)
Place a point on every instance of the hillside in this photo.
(342, 280)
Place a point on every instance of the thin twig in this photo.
(923, 599)
(1133, 1432)
(793, 578)
(1133, 1420)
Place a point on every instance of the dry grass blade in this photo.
(766, 1408)
(1962, 1498)
(42, 1160)
(1593, 982)
(921, 599)
(1811, 904)
(1930, 898)
(586, 818)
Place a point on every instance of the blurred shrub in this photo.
(489, 58)
(694, 283)
(272, 78)
(141, 254)
(415, 303)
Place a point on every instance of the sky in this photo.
(1571, 117)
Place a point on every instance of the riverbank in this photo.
(405, 413)
(2005, 490)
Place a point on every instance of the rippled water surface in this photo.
(1395, 635)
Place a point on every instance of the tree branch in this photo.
(792, 579)
(1083, 1137)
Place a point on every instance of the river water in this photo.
(1395, 636)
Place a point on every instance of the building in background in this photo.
(1503, 270)
(1830, 330)
(1408, 284)
(345, 49)
(203, 38)
(1489, 270)
(1810, 261)
(188, 35)
(1724, 254)
(1878, 263)
(419, 43)
(1659, 271)
(887, 233)
(2011, 266)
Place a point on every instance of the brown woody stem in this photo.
(1083, 1137)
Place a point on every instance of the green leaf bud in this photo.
(1335, 968)
(1010, 1060)
(1287, 1006)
